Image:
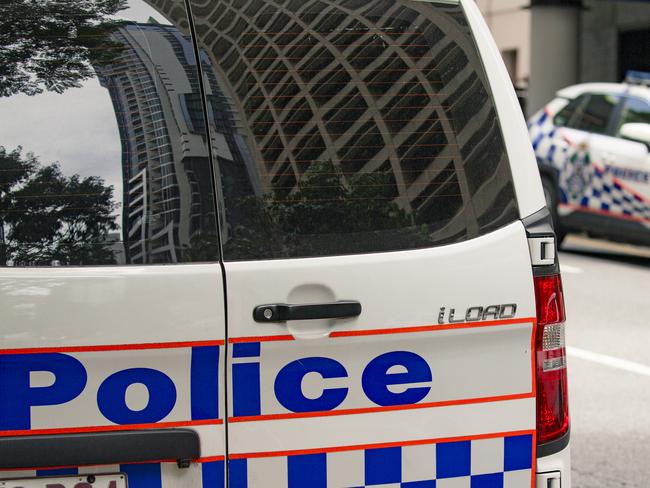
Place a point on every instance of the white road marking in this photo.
(565, 268)
(610, 361)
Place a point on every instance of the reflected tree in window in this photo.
(328, 213)
(47, 217)
(53, 44)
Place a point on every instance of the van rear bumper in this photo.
(552, 447)
(554, 469)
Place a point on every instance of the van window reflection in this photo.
(349, 127)
(103, 153)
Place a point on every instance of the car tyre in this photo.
(550, 195)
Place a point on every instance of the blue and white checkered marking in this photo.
(504, 462)
(600, 191)
(605, 194)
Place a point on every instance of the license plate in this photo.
(117, 480)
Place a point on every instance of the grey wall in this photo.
(553, 52)
(600, 24)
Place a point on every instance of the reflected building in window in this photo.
(372, 86)
(167, 194)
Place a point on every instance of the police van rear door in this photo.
(112, 326)
(379, 289)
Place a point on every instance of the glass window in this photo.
(369, 128)
(635, 110)
(564, 116)
(103, 149)
(595, 114)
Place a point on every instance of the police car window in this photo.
(635, 111)
(595, 114)
(564, 116)
(103, 149)
(347, 126)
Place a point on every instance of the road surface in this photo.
(607, 293)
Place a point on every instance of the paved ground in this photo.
(607, 289)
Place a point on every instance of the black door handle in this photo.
(279, 312)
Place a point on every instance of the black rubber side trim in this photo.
(546, 171)
(555, 446)
(540, 224)
(43, 451)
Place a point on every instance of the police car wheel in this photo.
(550, 195)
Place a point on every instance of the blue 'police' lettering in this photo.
(376, 379)
(204, 382)
(17, 396)
(628, 174)
(380, 380)
(111, 396)
(288, 385)
(246, 380)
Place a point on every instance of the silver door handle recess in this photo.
(281, 312)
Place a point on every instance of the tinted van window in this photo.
(103, 149)
(347, 126)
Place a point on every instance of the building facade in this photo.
(550, 44)
(305, 79)
(154, 93)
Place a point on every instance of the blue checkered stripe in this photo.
(606, 194)
(503, 462)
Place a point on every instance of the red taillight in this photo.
(552, 398)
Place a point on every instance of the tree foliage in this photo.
(53, 44)
(327, 214)
(47, 216)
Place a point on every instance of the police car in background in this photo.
(272, 244)
(592, 145)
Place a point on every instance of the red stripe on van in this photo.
(109, 428)
(207, 459)
(116, 347)
(430, 328)
(238, 340)
(384, 444)
(394, 330)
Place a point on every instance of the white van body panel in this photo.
(560, 461)
(482, 383)
(406, 427)
(446, 276)
(114, 320)
(49, 307)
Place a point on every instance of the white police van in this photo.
(272, 243)
(592, 145)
